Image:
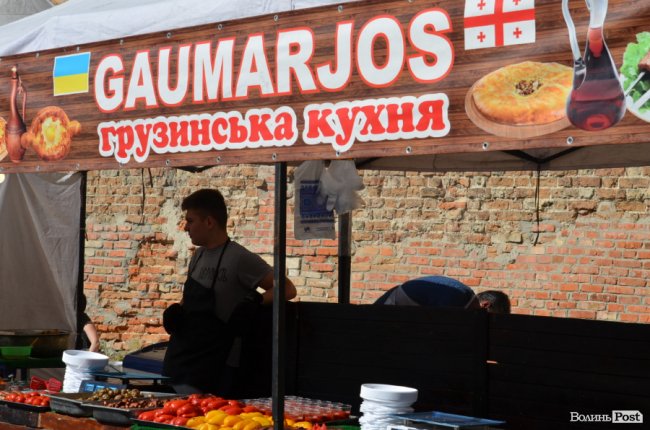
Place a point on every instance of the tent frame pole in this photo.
(83, 187)
(345, 258)
(279, 281)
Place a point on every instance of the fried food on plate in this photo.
(528, 93)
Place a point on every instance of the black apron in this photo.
(198, 349)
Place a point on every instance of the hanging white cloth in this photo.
(39, 249)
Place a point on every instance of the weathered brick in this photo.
(592, 250)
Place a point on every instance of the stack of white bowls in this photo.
(79, 366)
(381, 401)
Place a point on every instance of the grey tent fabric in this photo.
(39, 248)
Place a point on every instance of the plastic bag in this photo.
(339, 185)
(311, 218)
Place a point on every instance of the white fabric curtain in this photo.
(39, 250)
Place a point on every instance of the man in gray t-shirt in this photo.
(240, 273)
(219, 298)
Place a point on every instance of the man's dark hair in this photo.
(210, 202)
(499, 302)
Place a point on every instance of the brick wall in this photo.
(589, 257)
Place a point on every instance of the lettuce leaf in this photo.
(630, 69)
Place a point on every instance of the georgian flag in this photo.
(490, 23)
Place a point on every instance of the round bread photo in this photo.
(50, 134)
(521, 100)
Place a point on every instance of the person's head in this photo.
(494, 301)
(206, 217)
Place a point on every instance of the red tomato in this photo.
(147, 415)
(196, 401)
(44, 401)
(249, 409)
(179, 421)
(172, 406)
(159, 412)
(340, 415)
(164, 418)
(235, 403)
(233, 410)
(10, 397)
(29, 400)
(19, 398)
(188, 411)
(216, 404)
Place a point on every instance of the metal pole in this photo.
(345, 258)
(82, 246)
(279, 265)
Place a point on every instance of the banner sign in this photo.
(366, 79)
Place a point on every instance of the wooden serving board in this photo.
(504, 130)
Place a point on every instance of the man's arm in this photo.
(267, 285)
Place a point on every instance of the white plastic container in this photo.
(394, 395)
(381, 401)
(79, 367)
(85, 359)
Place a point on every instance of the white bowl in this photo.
(390, 394)
(84, 359)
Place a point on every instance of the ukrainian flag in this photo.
(70, 74)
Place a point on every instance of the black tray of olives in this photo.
(117, 407)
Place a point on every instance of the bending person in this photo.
(442, 291)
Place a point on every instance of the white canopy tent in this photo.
(85, 21)
(13, 10)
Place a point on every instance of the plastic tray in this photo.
(444, 419)
(122, 416)
(146, 425)
(71, 404)
(24, 406)
(116, 416)
(13, 352)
